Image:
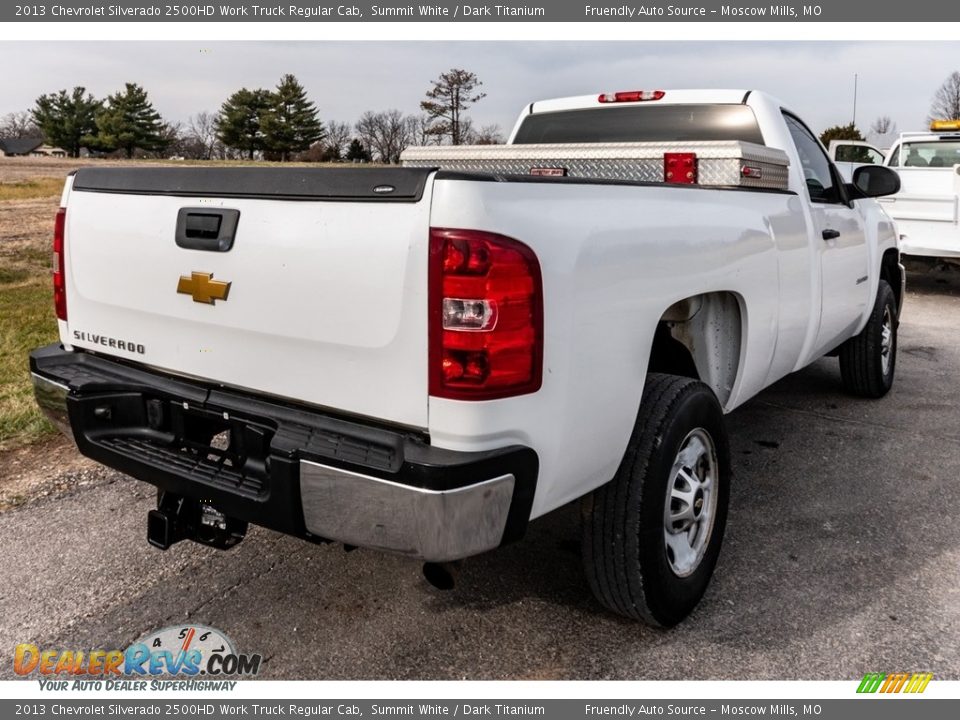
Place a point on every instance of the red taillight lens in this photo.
(631, 96)
(486, 316)
(680, 168)
(59, 265)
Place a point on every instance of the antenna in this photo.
(855, 76)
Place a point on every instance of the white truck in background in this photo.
(421, 360)
(927, 208)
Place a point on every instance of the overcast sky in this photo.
(345, 78)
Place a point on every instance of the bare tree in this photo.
(338, 138)
(173, 142)
(489, 135)
(200, 139)
(366, 129)
(19, 125)
(418, 127)
(447, 101)
(384, 134)
(883, 125)
(946, 101)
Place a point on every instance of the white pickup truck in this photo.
(927, 208)
(421, 360)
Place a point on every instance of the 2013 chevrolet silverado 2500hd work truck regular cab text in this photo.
(423, 359)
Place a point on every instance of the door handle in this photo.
(211, 229)
(830, 234)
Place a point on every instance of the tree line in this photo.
(281, 124)
(944, 106)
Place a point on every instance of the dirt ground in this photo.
(43, 469)
(28, 168)
(26, 225)
(25, 229)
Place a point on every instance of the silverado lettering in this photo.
(126, 345)
(425, 371)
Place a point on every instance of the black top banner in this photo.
(449, 11)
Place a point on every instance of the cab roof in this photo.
(670, 97)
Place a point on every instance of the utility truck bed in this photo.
(730, 163)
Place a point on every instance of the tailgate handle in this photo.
(211, 229)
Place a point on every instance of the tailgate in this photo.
(327, 273)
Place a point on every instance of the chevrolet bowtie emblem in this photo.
(203, 288)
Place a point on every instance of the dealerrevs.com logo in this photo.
(187, 653)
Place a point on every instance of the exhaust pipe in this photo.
(442, 575)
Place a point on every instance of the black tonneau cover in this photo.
(272, 183)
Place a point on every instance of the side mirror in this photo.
(876, 181)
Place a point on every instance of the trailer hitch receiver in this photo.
(179, 518)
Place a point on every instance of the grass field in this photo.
(26, 321)
(42, 187)
(29, 195)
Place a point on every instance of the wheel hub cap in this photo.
(691, 502)
(886, 341)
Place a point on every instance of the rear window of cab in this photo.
(642, 123)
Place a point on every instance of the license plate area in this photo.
(207, 445)
(218, 439)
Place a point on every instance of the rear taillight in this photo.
(680, 168)
(59, 265)
(486, 316)
(631, 96)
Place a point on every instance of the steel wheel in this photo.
(652, 535)
(886, 340)
(691, 502)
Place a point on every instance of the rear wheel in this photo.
(651, 536)
(868, 360)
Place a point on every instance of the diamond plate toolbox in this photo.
(721, 164)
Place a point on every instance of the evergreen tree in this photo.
(840, 132)
(846, 132)
(129, 121)
(291, 125)
(240, 122)
(66, 119)
(356, 152)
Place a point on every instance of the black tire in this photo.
(624, 525)
(867, 364)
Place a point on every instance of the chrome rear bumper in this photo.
(433, 525)
(52, 399)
